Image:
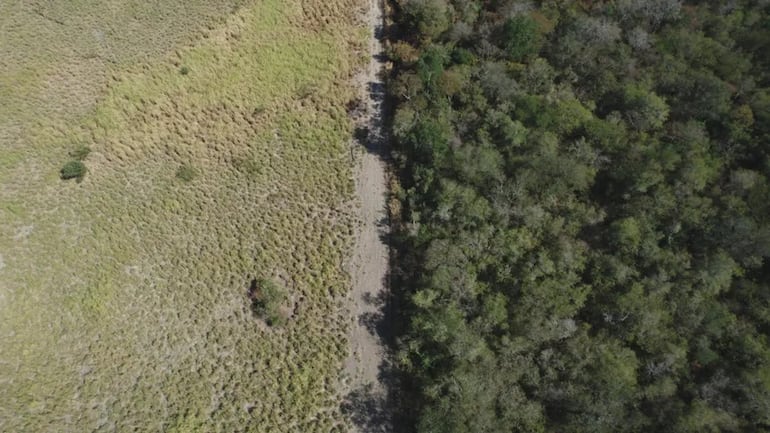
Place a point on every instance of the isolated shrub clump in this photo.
(267, 300)
(184, 70)
(73, 170)
(186, 173)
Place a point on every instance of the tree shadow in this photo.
(379, 31)
(379, 322)
(372, 136)
(376, 407)
(383, 226)
(378, 301)
(372, 321)
(373, 411)
(367, 410)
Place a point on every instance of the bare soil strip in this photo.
(366, 368)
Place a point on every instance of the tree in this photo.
(589, 229)
(519, 37)
(644, 109)
(429, 17)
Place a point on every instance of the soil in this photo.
(366, 369)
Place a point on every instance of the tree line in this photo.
(583, 226)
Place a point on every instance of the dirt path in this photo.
(366, 390)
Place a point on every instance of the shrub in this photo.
(267, 300)
(73, 170)
(184, 70)
(186, 173)
(81, 152)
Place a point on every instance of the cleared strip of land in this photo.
(367, 391)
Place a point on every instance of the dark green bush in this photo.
(184, 70)
(73, 170)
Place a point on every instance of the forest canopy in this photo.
(584, 231)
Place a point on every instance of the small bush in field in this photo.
(267, 300)
(184, 70)
(73, 170)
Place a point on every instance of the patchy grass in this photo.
(124, 301)
(186, 173)
(81, 152)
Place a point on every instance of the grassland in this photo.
(123, 298)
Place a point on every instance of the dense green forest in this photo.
(583, 227)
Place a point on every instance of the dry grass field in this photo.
(123, 298)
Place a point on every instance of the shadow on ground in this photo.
(367, 410)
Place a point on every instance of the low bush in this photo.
(267, 301)
(73, 170)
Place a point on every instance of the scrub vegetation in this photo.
(124, 298)
(584, 231)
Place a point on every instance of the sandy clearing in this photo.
(366, 391)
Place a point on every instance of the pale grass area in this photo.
(123, 300)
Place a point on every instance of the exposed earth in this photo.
(365, 369)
